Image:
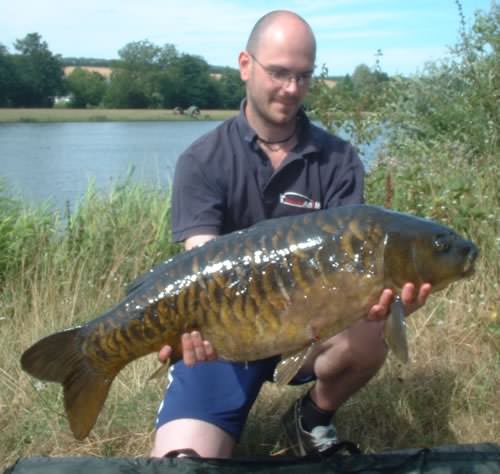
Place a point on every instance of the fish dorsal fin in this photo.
(288, 367)
(395, 331)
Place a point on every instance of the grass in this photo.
(65, 273)
(103, 115)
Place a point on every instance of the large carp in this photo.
(271, 289)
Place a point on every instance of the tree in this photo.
(8, 78)
(367, 85)
(148, 75)
(40, 72)
(362, 78)
(232, 88)
(139, 57)
(86, 88)
(141, 78)
(124, 92)
(193, 85)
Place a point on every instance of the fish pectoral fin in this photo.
(395, 331)
(288, 367)
(160, 372)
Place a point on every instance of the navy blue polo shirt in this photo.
(225, 182)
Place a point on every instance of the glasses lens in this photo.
(285, 77)
(282, 76)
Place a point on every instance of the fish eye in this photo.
(441, 244)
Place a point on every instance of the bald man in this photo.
(269, 161)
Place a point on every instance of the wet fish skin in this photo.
(270, 289)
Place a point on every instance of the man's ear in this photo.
(244, 62)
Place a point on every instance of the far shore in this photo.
(8, 115)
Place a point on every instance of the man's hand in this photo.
(194, 349)
(411, 299)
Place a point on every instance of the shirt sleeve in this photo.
(346, 185)
(197, 202)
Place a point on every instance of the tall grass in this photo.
(447, 394)
(61, 273)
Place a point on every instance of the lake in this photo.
(55, 161)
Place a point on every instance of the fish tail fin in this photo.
(59, 358)
(395, 331)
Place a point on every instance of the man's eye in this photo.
(281, 74)
(306, 76)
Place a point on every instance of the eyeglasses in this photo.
(283, 76)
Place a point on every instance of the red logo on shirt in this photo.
(298, 200)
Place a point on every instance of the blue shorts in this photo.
(218, 392)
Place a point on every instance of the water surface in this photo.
(54, 162)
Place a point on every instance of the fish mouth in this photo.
(469, 263)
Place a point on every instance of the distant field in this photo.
(103, 71)
(105, 115)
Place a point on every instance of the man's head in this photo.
(277, 66)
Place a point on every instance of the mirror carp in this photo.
(275, 288)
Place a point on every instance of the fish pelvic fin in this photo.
(288, 367)
(59, 358)
(395, 331)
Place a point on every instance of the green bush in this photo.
(441, 130)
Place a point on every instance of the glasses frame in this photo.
(283, 76)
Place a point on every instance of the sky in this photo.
(349, 32)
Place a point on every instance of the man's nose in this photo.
(292, 85)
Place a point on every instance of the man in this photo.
(270, 161)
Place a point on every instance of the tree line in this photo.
(144, 76)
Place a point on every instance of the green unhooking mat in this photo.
(453, 459)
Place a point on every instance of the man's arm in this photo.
(197, 240)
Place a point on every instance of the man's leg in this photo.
(346, 362)
(206, 406)
(342, 365)
(205, 439)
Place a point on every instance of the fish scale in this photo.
(272, 289)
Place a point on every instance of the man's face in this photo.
(277, 78)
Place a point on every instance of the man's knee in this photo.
(359, 347)
(190, 435)
(366, 343)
